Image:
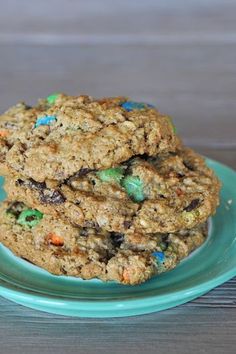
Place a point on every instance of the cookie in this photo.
(166, 193)
(63, 249)
(15, 123)
(77, 133)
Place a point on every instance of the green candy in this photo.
(111, 174)
(51, 99)
(29, 217)
(134, 188)
(132, 184)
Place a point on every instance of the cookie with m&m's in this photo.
(165, 193)
(73, 133)
(64, 249)
(15, 123)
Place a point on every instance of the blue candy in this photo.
(46, 120)
(130, 105)
(160, 256)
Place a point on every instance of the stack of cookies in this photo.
(101, 188)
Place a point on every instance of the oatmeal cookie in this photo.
(15, 123)
(167, 193)
(76, 133)
(63, 249)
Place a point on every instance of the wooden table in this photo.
(177, 54)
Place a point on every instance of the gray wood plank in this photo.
(105, 18)
(196, 84)
(181, 330)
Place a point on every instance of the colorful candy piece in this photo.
(29, 217)
(4, 133)
(126, 276)
(54, 239)
(45, 120)
(134, 188)
(51, 99)
(131, 105)
(111, 174)
(160, 256)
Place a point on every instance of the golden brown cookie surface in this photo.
(89, 253)
(80, 132)
(167, 193)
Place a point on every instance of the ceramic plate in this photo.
(211, 265)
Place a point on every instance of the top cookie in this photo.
(73, 133)
(15, 123)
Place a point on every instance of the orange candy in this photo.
(4, 133)
(126, 277)
(54, 239)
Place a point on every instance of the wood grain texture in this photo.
(123, 19)
(180, 330)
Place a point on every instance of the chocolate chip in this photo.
(20, 182)
(193, 205)
(15, 209)
(62, 269)
(140, 156)
(22, 147)
(92, 224)
(93, 182)
(36, 185)
(127, 224)
(46, 195)
(189, 166)
(31, 183)
(52, 197)
(83, 232)
(81, 173)
(117, 238)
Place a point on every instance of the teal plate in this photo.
(209, 266)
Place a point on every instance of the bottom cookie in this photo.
(89, 253)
